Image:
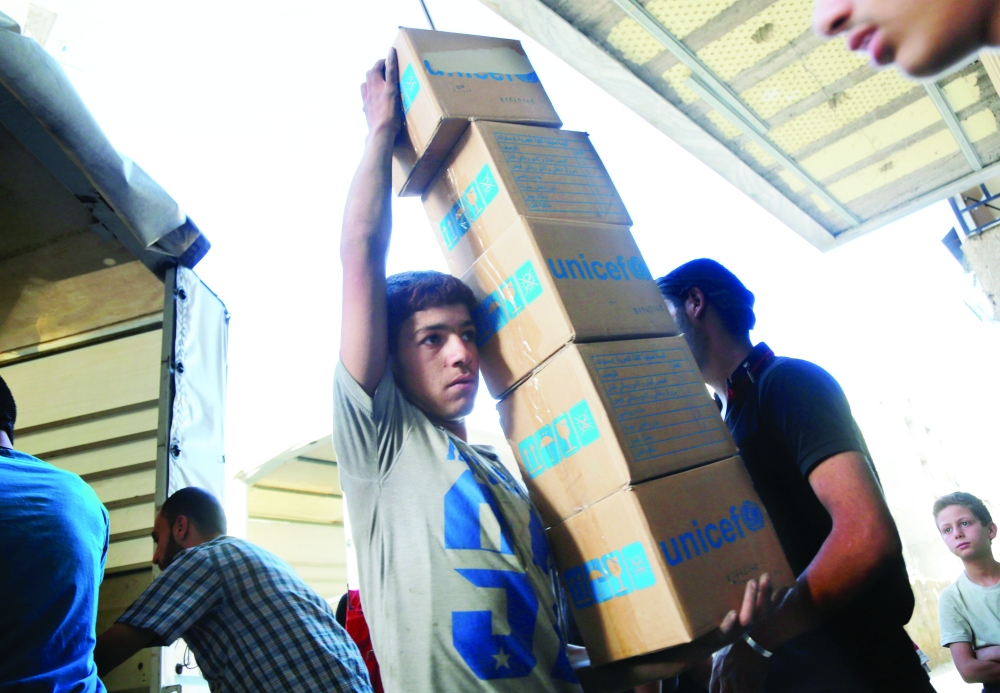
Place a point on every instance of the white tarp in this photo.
(34, 87)
(201, 337)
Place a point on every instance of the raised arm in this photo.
(364, 241)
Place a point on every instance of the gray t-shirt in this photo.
(969, 613)
(456, 580)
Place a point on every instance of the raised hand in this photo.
(380, 95)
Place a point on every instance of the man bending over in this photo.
(251, 623)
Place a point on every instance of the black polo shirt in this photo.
(788, 416)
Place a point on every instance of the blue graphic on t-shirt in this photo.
(562, 669)
(498, 656)
(539, 544)
(492, 656)
(462, 521)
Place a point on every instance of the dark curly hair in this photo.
(409, 292)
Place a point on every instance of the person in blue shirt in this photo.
(54, 541)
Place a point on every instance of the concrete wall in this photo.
(982, 253)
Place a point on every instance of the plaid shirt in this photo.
(252, 624)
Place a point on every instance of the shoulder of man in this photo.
(227, 549)
(787, 379)
(786, 370)
(202, 553)
(83, 500)
(369, 431)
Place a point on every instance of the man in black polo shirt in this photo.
(841, 628)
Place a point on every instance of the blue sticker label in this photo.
(563, 437)
(454, 226)
(514, 294)
(470, 206)
(615, 574)
(409, 87)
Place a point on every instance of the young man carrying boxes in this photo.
(530, 219)
(841, 627)
(453, 561)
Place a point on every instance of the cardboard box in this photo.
(543, 284)
(661, 564)
(599, 417)
(446, 79)
(498, 172)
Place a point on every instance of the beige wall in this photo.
(982, 252)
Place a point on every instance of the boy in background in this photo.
(969, 609)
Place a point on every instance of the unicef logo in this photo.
(752, 516)
(638, 268)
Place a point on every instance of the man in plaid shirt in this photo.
(252, 624)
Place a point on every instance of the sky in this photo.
(249, 115)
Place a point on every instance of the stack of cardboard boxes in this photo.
(652, 519)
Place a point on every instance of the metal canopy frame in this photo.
(711, 98)
(704, 76)
(948, 116)
(571, 36)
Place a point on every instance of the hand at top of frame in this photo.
(380, 94)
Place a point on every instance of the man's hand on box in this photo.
(758, 601)
(738, 669)
(380, 95)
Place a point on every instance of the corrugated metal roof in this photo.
(850, 147)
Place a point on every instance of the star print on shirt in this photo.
(501, 658)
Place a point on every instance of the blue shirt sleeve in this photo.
(183, 593)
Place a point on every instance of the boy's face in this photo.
(437, 363)
(963, 533)
(923, 37)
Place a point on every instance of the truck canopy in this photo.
(63, 176)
